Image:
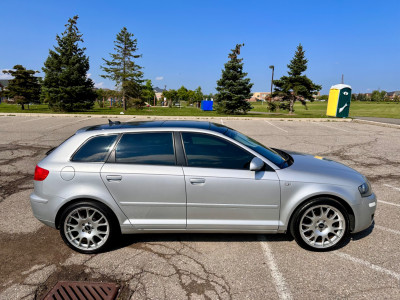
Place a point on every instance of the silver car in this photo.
(187, 176)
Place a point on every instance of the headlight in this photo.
(365, 189)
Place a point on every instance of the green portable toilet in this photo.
(339, 101)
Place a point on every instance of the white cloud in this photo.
(5, 76)
(88, 75)
(99, 85)
(159, 77)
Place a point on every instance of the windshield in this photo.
(268, 153)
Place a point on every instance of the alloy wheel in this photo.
(322, 226)
(86, 228)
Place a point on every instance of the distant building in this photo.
(157, 90)
(259, 96)
(392, 94)
(158, 96)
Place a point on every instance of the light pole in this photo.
(272, 80)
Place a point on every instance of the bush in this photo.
(284, 105)
(135, 103)
(272, 106)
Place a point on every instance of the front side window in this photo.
(268, 153)
(207, 151)
(153, 148)
(95, 149)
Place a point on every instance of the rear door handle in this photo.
(114, 177)
(197, 180)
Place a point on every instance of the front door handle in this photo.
(114, 178)
(197, 180)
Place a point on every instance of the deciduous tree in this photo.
(148, 92)
(183, 93)
(378, 95)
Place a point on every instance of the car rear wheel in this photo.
(88, 227)
(320, 225)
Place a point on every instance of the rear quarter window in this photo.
(95, 149)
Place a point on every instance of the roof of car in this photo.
(163, 124)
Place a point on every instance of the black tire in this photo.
(317, 225)
(89, 227)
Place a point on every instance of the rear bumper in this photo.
(364, 213)
(42, 209)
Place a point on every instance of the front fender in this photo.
(293, 194)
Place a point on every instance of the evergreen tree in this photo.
(296, 86)
(66, 86)
(24, 87)
(233, 88)
(121, 68)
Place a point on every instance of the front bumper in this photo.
(364, 213)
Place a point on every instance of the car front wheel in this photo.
(320, 225)
(87, 227)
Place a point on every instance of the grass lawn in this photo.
(315, 110)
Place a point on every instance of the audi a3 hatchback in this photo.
(187, 176)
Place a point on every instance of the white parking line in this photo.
(26, 121)
(389, 203)
(393, 187)
(319, 123)
(222, 122)
(280, 284)
(276, 126)
(387, 229)
(368, 264)
(62, 125)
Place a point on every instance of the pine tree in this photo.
(24, 87)
(233, 88)
(66, 86)
(296, 86)
(121, 68)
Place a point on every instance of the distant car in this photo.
(186, 176)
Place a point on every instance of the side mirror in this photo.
(256, 164)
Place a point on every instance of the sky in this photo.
(188, 42)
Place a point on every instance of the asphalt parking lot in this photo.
(206, 266)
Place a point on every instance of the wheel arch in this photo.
(83, 199)
(343, 202)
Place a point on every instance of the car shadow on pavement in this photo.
(362, 234)
(132, 239)
(127, 240)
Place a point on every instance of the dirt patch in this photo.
(12, 179)
(20, 252)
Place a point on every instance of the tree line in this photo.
(66, 86)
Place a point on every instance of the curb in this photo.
(174, 117)
(389, 125)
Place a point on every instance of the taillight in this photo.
(40, 174)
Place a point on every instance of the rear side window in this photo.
(207, 151)
(153, 148)
(95, 149)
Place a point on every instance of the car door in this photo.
(222, 193)
(143, 177)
